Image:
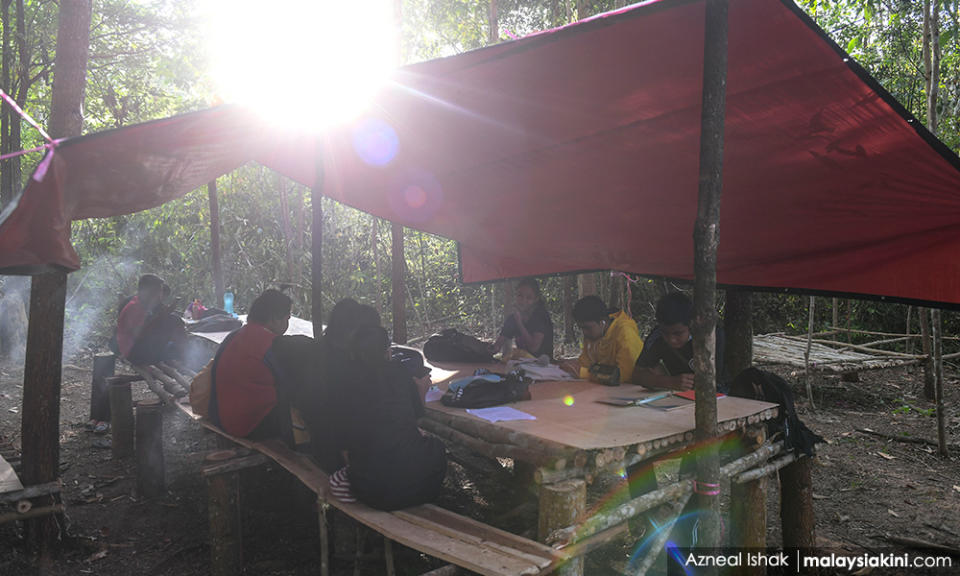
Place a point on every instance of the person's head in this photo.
(366, 316)
(341, 322)
(150, 289)
(370, 345)
(592, 316)
(271, 309)
(528, 294)
(674, 312)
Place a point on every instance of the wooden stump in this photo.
(121, 417)
(796, 504)
(226, 546)
(748, 510)
(150, 463)
(323, 511)
(103, 368)
(561, 505)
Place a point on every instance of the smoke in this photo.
(14, 299)
(94, 294)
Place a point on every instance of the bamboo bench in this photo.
(22, 498)
(428, 529)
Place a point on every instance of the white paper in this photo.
(433, 394)
(500, 414)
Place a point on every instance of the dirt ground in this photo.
(865, 488)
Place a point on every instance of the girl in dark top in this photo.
(391, 464)
(529, 325)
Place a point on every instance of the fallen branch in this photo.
(904, 439)
(922, 544)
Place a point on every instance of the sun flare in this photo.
(304, 64)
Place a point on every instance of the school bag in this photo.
(453, 346)
(759, 384)
(484, 390)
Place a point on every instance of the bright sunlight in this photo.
(304, 64)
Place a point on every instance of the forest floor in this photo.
(865, 487)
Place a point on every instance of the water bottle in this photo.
(228, 302)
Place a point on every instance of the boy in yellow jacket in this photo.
(608, 340)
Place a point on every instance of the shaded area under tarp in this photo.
(577, 149)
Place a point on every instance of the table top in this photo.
(298, 326)
(586, 424)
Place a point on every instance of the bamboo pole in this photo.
(323, 510)
(316, 231)
(483, 447)
(104, 366)
(765, 470)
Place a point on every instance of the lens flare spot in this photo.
(568, 400)
(375, 142)
(414, 196)
(622, 473)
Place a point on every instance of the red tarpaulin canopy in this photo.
(577, 149)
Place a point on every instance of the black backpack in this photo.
(758, 384)
(452, 346)
(481, 393)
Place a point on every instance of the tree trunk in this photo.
(738, 323)
(706, 239)
(493, 35)
(935, 328)
(216, 260)
(285, 227)
(806, 353)
(569, 291)
(926, 348)
(583, 9)
(931, 67)
(588, 284)
(22, 85)
(40, 425)
(316, 235)
(397, 294)
(6, 181)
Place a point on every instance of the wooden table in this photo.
(297, 327)
(576, 437)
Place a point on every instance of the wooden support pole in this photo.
(316, 231)
(226, 547)
(706, 239)
(926, 347)
(662, 535)
(150, 464)
(936, 328)
(388, 556)
(32, 491)
(215, 258)
(104, 366)
(806, 353)
(748, 506)
(796, 504)
(398, 291)
(323, 516)
(738, 322)
(32, 513)
(121, 418)
(561, 505)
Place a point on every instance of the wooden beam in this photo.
(561, 505)
(226, 545)
(104, 366)
(151, 472)
(706, 239)
(121, 418)
(215, 258)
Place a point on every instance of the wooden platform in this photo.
(568, 413)
(429, 529)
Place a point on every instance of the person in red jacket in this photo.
(147, 331)
(245, 398)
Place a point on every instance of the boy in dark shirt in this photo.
(667, 357)
(529, 325)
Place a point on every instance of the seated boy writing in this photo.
(667, 358)
(611, 343)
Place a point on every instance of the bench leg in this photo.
(226, 550)
(358, 558)
(388, 555)
(150, 465)
(748, 505)
(323, 510)
(121, 417)
(561, 505)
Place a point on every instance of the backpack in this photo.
(488, 390)
(759, 384)
(452, 346)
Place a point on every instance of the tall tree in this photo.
(40, 424)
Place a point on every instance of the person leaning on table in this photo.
(608, 340)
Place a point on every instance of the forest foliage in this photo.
(147, 61)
